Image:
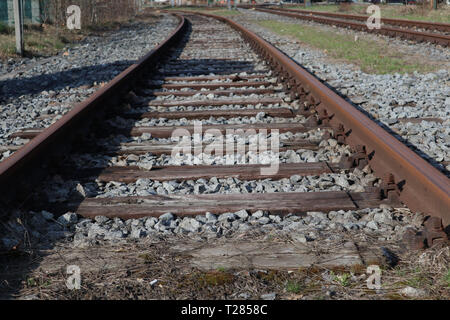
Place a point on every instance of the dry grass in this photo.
(371, 56)
(41, 40)
(126, 271)
(49, 39)
(52, 35)
(344, 7)
(428, 270)
(409, 12)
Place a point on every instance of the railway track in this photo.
(412, 24)
(411, 30)
(216, 120)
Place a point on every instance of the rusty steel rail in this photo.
(420, 186)
(435, 38)
(445, 27)
(417, 183)
(20, 171)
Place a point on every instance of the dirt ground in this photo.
(242, 267)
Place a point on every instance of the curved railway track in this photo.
(122, 134)
(342, 20)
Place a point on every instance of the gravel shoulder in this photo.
(36, 93)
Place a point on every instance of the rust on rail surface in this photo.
(16, 170)
(419, 185)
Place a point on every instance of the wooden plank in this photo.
(176, 86)
(184, 205)
(166, 132)
(217, 41)
(200, 103)
(244, 172)
(213, 62)
(238, 253)
(208, 72)
(158, 149)
(206, 114)
(206, 92)
(419, 120)
(217, 47)
(220, 77)
(26, 133)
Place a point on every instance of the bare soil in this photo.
(193, 269)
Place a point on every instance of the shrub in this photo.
(5, 29)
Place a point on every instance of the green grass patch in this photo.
(343, 279)
(315, 7)
(5, 29)
(39, 41)
(294, 287)
(419, 279)
(45, 43)
(225, 12)
(447, 278)
(7, 48)
(370, 56)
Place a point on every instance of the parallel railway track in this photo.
(122, 134)
(410, 30)
(413, 24)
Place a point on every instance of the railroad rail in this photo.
(419, 36)
(439, 26)
(130, 117)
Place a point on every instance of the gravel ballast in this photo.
(48, 88)
(49, 222)
(387, 98)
